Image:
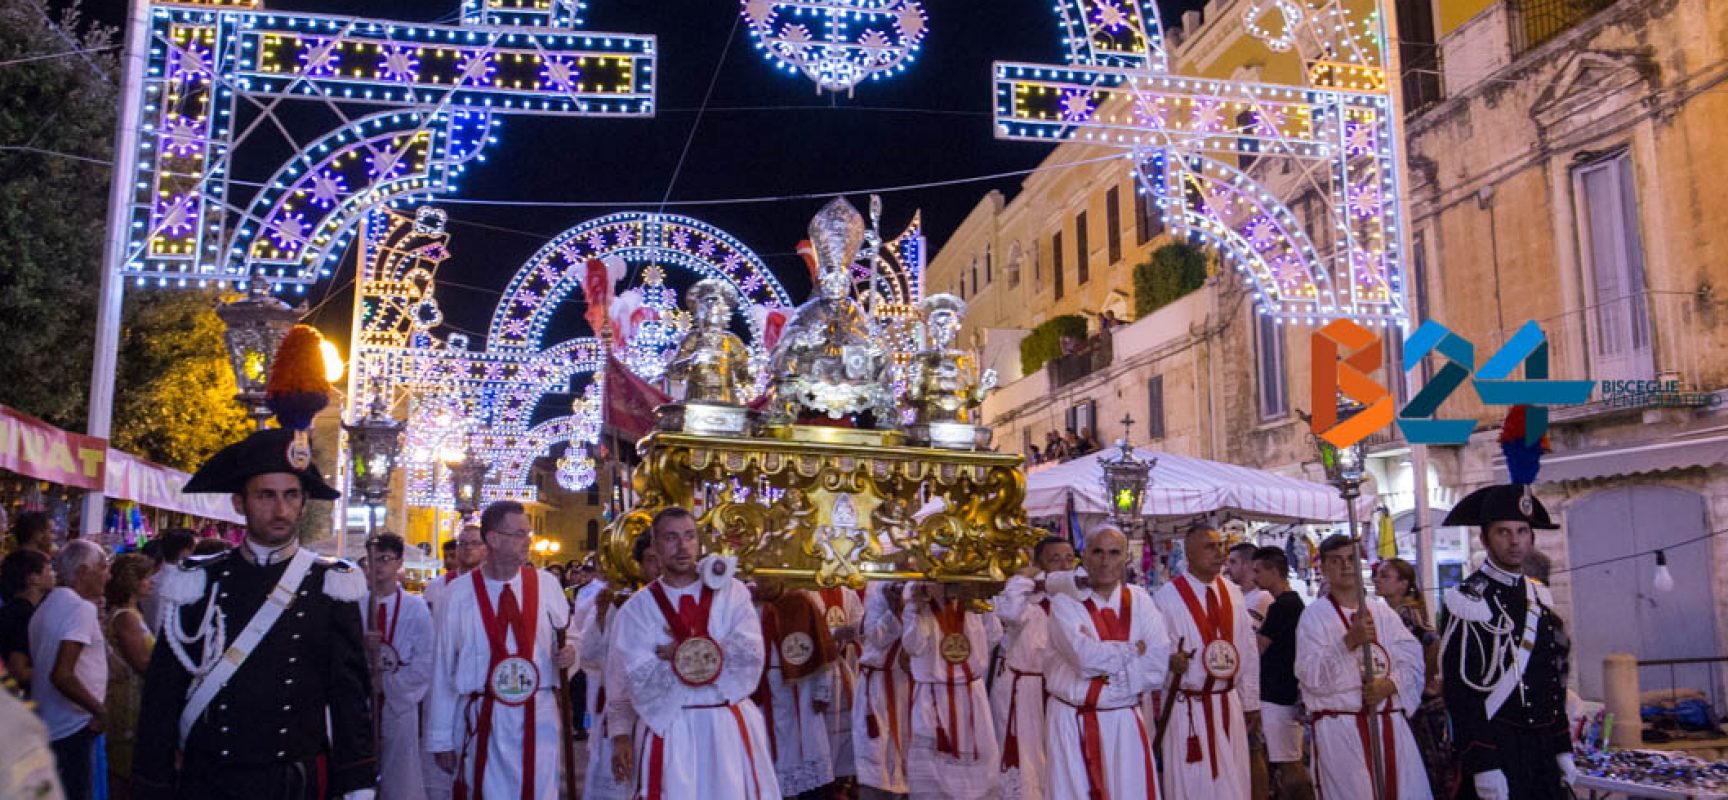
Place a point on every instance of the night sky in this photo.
(764, 133)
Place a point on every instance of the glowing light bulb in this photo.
(1664, 580)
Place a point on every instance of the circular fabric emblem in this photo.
(1221, 659)
(836, 617)
(956, 648)
(797, 648)
(697, 661)
(514, 680)
(388, 659)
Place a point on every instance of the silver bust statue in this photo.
(831, 360)
(943, 386)
(711, 361)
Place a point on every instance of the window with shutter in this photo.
(1113, 223)
(1613, 256)
(1274, 393)
(1081, 256)
(1155, 407)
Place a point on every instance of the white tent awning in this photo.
(1185, 486)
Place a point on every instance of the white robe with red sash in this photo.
(1017, 696)
(609, 705)
(406, 628)
(437, 782)
(1096, 676)
(798, 733)
(848, 612)
(507, 750)
(1206, 744)
(1331, 680)
(882, 702)
(952, 754)
(695, 741)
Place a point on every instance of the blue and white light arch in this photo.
(837, 43)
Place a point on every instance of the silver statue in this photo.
(831, 360)
(943, 387)
(711, 361)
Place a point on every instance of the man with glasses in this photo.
(470, 553)
(493, 718)
(399, 646)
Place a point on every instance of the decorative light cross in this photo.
(837, 43)
(1203, 147)
(220, 74)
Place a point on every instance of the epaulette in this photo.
(343, 581)
(1543, 595)
(183, 584)
(1466, 600)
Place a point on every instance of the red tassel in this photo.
(871, 728)
(945, 746)
(1194, 755)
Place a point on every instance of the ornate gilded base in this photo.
(704, 419)
(834, 506)
(947, 435)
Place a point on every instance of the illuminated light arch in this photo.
(642, 239)
(1195, 136)
(837, 43)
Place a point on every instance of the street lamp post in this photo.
(1125, 479)
(374, 442)
(1345, 469)
(255, 325)
(467, 479)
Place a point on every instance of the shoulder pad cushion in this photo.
(342, 580)
(183, 584)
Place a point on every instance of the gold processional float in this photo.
(823, 485)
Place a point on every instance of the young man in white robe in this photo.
(843, 609)
(1108, 647)
(1349, 707)
(797, 687)
(1017, 696)
(399, 644)
(689, 648)
(494, 719)
(953, 753)
(468, 553)
(606, 778)
(882, 698)
(1214, 651)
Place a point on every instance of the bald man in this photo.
(1214, 650)
(1108, 647)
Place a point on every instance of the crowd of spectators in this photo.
(1064, 446)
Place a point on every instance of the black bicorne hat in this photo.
(262, 453)
(1507, 502)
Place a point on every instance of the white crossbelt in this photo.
(281, 598)
(1514, 677)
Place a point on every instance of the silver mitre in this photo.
(830, 360)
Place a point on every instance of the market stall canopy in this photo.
(1185, 486)
(148, 484)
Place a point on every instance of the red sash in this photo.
(683, 628)
(524, 628)
(385, 625)
(1388, 742)
(872, 727)
(1110, 628)
(836, 598)
(951, 620)
(1011, 741)
(1212, 628)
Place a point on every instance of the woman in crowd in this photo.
(1395, 582)
(129, 646)
(26, 576)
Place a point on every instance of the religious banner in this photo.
(31, 447)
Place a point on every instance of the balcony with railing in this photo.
(1537, 22)
(1092, 355)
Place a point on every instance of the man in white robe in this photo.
(690, 650)
(843, 608)
(953, 753)
(613, 714)
(1349, 708)
(797, 687)
(494, 719)
(399, 642)
(882, 698)
(468, 553)
(1205, 745)
(1017, 696)
(1108, 647)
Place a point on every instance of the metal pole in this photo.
(114, 249)
(1376, 748)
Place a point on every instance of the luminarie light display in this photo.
(837, 43)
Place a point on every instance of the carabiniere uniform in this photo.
(260, 655)
(1505, 656)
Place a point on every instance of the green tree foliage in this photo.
(174, 398)
(1173, 271)
(1045, 341)
(57, 112)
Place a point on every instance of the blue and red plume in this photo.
(297, 389)
(1523, 457)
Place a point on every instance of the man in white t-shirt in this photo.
(71, 657)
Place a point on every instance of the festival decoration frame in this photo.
(838, 44)
(1201, 147)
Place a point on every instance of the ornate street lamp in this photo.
(1125, 479)
(467, 478)
(255, 325)
(1345, 469)
(374, 441)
